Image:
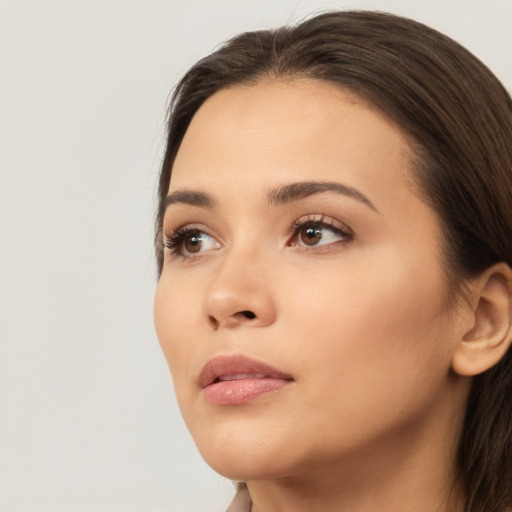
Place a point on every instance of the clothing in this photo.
(242, 500)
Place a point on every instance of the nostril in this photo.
(248, 314)
(213, 322)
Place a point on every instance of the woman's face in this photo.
(302, 307)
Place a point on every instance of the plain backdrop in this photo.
(88, 418)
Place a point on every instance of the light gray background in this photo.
(88, 419)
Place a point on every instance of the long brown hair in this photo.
(458, 118)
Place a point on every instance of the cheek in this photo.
(381, 334)
(173, 325)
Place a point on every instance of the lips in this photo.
(235, 380)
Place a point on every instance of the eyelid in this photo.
(174, 238)
(322, 220)
(343, 230)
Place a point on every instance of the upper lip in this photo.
(232, 365)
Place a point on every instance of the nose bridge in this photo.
(240, 292)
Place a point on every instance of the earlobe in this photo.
(489, 336)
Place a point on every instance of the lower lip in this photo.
(237, 392)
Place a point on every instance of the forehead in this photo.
(280, 127)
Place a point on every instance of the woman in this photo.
(334, 250)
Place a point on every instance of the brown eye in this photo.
(319, 233)
(310, 235)
(193, 242)
(190, 242)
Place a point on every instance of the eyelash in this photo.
(340, 229)
(174, 241)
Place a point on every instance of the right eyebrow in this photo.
(190, 197)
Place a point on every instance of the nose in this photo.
(240, 295)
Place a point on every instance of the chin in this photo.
(244, 454)
(243, 467)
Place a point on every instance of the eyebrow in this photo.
(190, 197)
(277, 196)
(296, 191)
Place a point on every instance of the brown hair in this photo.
(458, 118)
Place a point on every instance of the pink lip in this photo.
(237, 379)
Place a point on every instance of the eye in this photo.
(189, 242)
(311, 232)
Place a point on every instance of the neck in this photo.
(399, 487)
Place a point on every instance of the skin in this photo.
(362, 322)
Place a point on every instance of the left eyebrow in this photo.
(301, 190)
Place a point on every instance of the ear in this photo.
(488, 332)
